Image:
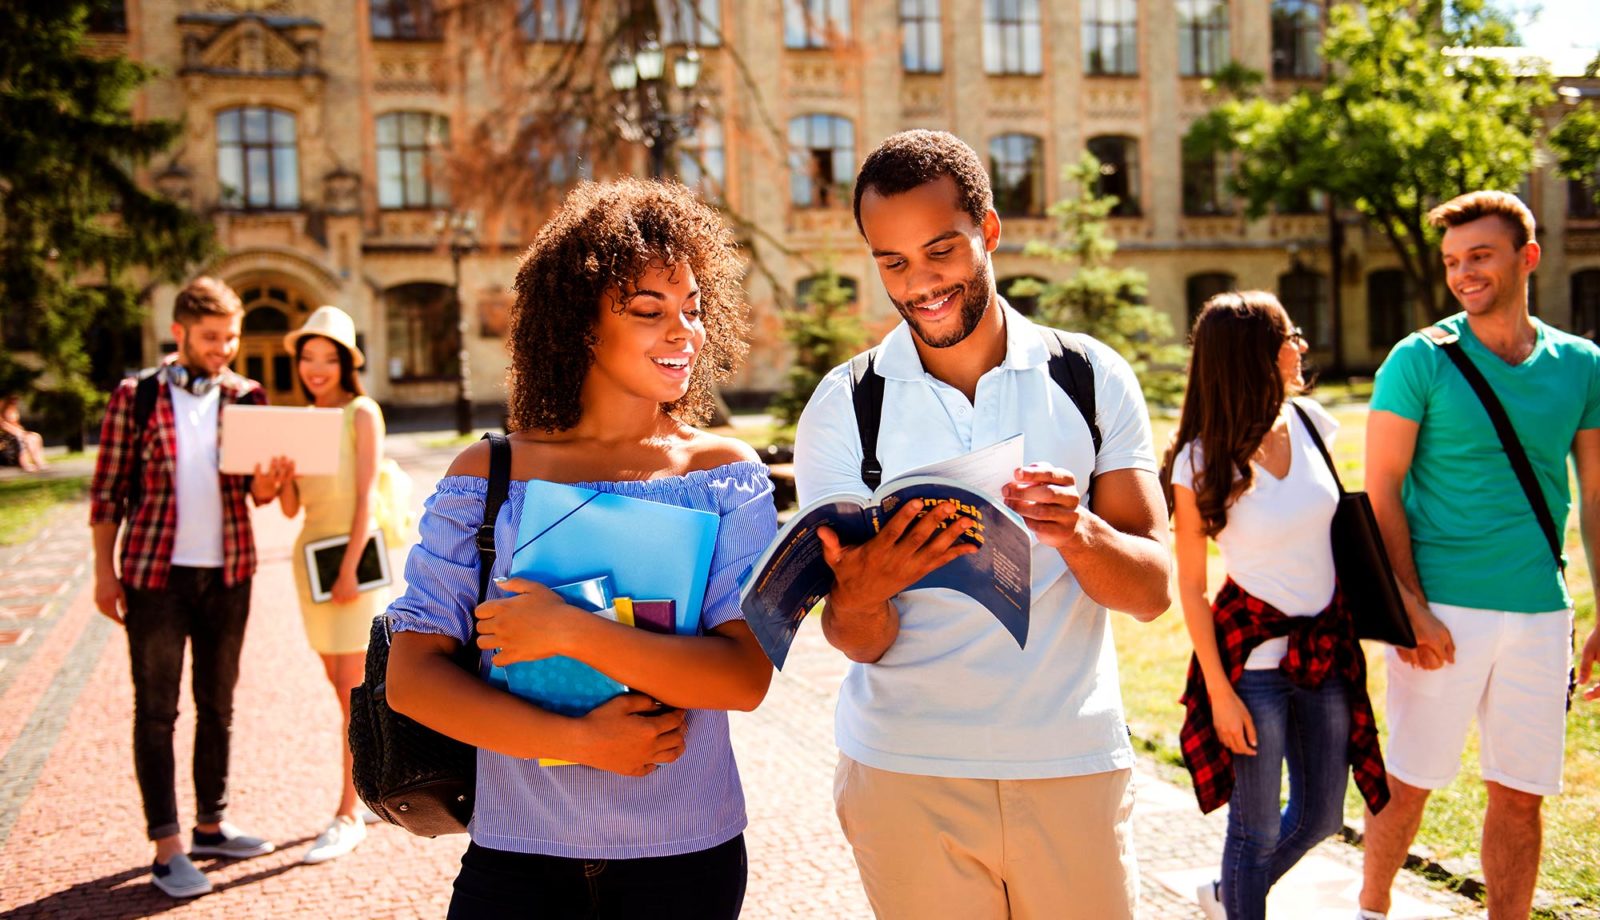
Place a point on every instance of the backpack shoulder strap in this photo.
(866, 392)
(499, 487)
(145, 394)
(1450, 344)
(1072, 371)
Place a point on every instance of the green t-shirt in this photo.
(1474, 538)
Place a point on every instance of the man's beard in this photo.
(974, 302)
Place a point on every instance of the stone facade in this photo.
(299, 210)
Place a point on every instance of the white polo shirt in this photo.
(954, 696)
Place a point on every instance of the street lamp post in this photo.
(642, 111)
(462, 230)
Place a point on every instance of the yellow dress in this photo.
(329, 503)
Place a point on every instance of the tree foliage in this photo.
(1101, 299)
(1408, 117)
(825, 331)
(77, 232)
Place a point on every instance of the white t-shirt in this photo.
(1276, 544)
(954, 696)
(196, 483)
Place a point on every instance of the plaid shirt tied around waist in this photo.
(149, 530)
(1319, 646)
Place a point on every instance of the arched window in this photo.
(1304, 294)
(404, 20)
(822, 160)
(1205, 185)
(1296, 39)
(1586, 302)
(258, 163)
(1202, 37)
(921, 40)
(410, 174)
(1016, 171)
(1011, 32)
(1202, 287)
(1389, 297)
(815, 23)
(1119, 171)
(806, 287)
(1025, 303)
(1110, 37)
(559, 21)
(424, 341)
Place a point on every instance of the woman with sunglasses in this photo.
(1277, 674)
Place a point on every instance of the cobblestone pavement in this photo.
(71, 841)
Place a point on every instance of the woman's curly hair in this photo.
(605, 236)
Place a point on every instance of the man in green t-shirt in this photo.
(1484, 591)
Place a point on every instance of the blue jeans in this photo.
(1311, 730)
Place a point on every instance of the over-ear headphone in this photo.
(179, 376)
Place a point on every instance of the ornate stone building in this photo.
(313, 128)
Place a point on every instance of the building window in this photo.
(258, 165)
(1202, 287)
(569, 155)
(424, 341)
(1025, 303)
(804, 287)
(1296, 39)
(1580, 197)
(1585, 302)
(1304, 294)
(815, 23)
(410, 174)
(108, 17)
(1389, 297)
(921, 41)
(1110, 37)
(1016, 171)
(404, 20)
(1307, 201)
(822, 160)
(1202, 37)
(1011, 36)
(702, 159)
(557, 21)
(1205, 185)
(1119, 172)
(690, 22)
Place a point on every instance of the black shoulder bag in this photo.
(1361, 562)
(407, 773)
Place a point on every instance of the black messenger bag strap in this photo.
(1450, 343)
(866, 392)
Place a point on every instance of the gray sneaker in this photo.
(179, 878)
(229, 842)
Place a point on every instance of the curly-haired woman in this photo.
(1277, 674)
(628, 309)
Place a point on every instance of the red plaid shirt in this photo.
(1318, 646)
(147, 539)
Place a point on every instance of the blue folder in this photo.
(561, 684)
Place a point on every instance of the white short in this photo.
(1511, 669)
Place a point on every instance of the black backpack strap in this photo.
(145, 394)
(1316, 438)
(1450, 344)
(866, 391)
(1071, 370)
(499, 486)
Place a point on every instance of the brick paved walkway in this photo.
(71, 841)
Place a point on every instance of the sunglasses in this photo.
(1297, 336)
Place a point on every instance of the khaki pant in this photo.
(1050, 849)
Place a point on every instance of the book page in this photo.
(986, 469)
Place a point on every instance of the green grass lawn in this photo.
(1154, 659)
(24, 503)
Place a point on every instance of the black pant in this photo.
(194, 607)
(706, 885)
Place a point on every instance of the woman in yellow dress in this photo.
(326, 359)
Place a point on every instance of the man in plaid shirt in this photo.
(187, 559)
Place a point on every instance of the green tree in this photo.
(825, 331)
(1101, 299)
(1408, 117)
(77, 232)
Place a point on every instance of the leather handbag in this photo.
(1361, 561)
(407, 773)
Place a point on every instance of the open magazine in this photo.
(792, 576)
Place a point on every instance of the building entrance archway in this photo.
(272, 307)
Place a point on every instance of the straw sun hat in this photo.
(330, 323)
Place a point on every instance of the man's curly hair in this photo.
(605, 236)
(919, 156)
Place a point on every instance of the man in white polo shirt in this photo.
(975, 775)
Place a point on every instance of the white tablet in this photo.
(253, 435)
(323, 558)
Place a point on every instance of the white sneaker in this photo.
(1363, 914)
(179, 878)
(340, 838)
(1210, 902)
